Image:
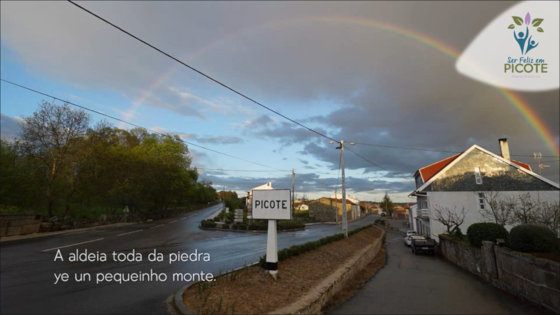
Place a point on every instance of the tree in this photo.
(499, 210)
(451, 219)
(49, 135)
(525, 211)
(387, 204)
(549, 215)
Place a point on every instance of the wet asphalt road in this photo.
(27, 270)
(411, 284)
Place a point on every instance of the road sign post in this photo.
(272, 204)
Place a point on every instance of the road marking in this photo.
(159, 225)
(76, 244)
(136, 231)
(172, 221)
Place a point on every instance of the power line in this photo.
(132, 124)
(364, 158)
(403, 147)
(399, 147)
(209, 77)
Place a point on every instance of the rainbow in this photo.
(518, 103)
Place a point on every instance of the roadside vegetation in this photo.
(225, 220)
(252, 291)
(537, 240)
(66, 169)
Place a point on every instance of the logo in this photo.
(523, 35)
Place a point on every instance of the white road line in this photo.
(65, 246)
(172, 221)
(135, 231)
(159, 225)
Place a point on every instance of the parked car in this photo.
(410, 232)
(408, 239)
(423, 245)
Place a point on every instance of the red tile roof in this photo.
(524, 165)
(430, 170)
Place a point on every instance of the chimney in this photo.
(504, 148)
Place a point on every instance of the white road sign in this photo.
(272, 204)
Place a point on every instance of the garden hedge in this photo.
(478, 232)
(532, 238)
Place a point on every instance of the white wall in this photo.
(456, 200)
(413, 212)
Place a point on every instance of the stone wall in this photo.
(322, 212)
(11, 225)
(532, 278)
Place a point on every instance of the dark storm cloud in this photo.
(306, 183)
(390, 88)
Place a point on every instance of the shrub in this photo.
(478, 232)
(258, 225)
(300, 249)
(532, 238)
(290, 224)
(208, 224)
(239, 226)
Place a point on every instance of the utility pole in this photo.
(293, 188)
(344, 216)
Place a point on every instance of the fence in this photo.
(535, 279)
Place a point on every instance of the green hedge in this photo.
(532, 238)
(208, 223)
(300, 249)
(478, 232)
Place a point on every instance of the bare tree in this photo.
(549, 215)
(499, 210)
(48, 135)
(526, 211)
(451, 219)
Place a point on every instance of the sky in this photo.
(351, 70)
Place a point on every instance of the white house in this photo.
(249, 199)
(466, 180)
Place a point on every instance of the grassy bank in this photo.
(252, 291)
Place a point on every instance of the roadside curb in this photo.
(16, 238)
(249, 231)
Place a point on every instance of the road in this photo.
(27, 268)
(411, 284)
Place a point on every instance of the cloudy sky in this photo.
(355, 71)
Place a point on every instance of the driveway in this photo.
(428, 285)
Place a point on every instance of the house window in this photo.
(477, 176)
(481, 202)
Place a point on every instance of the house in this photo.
(400, 212)
(352, 207)
(249, 199)
(302, 207)
(369, 207)
(463, 184)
